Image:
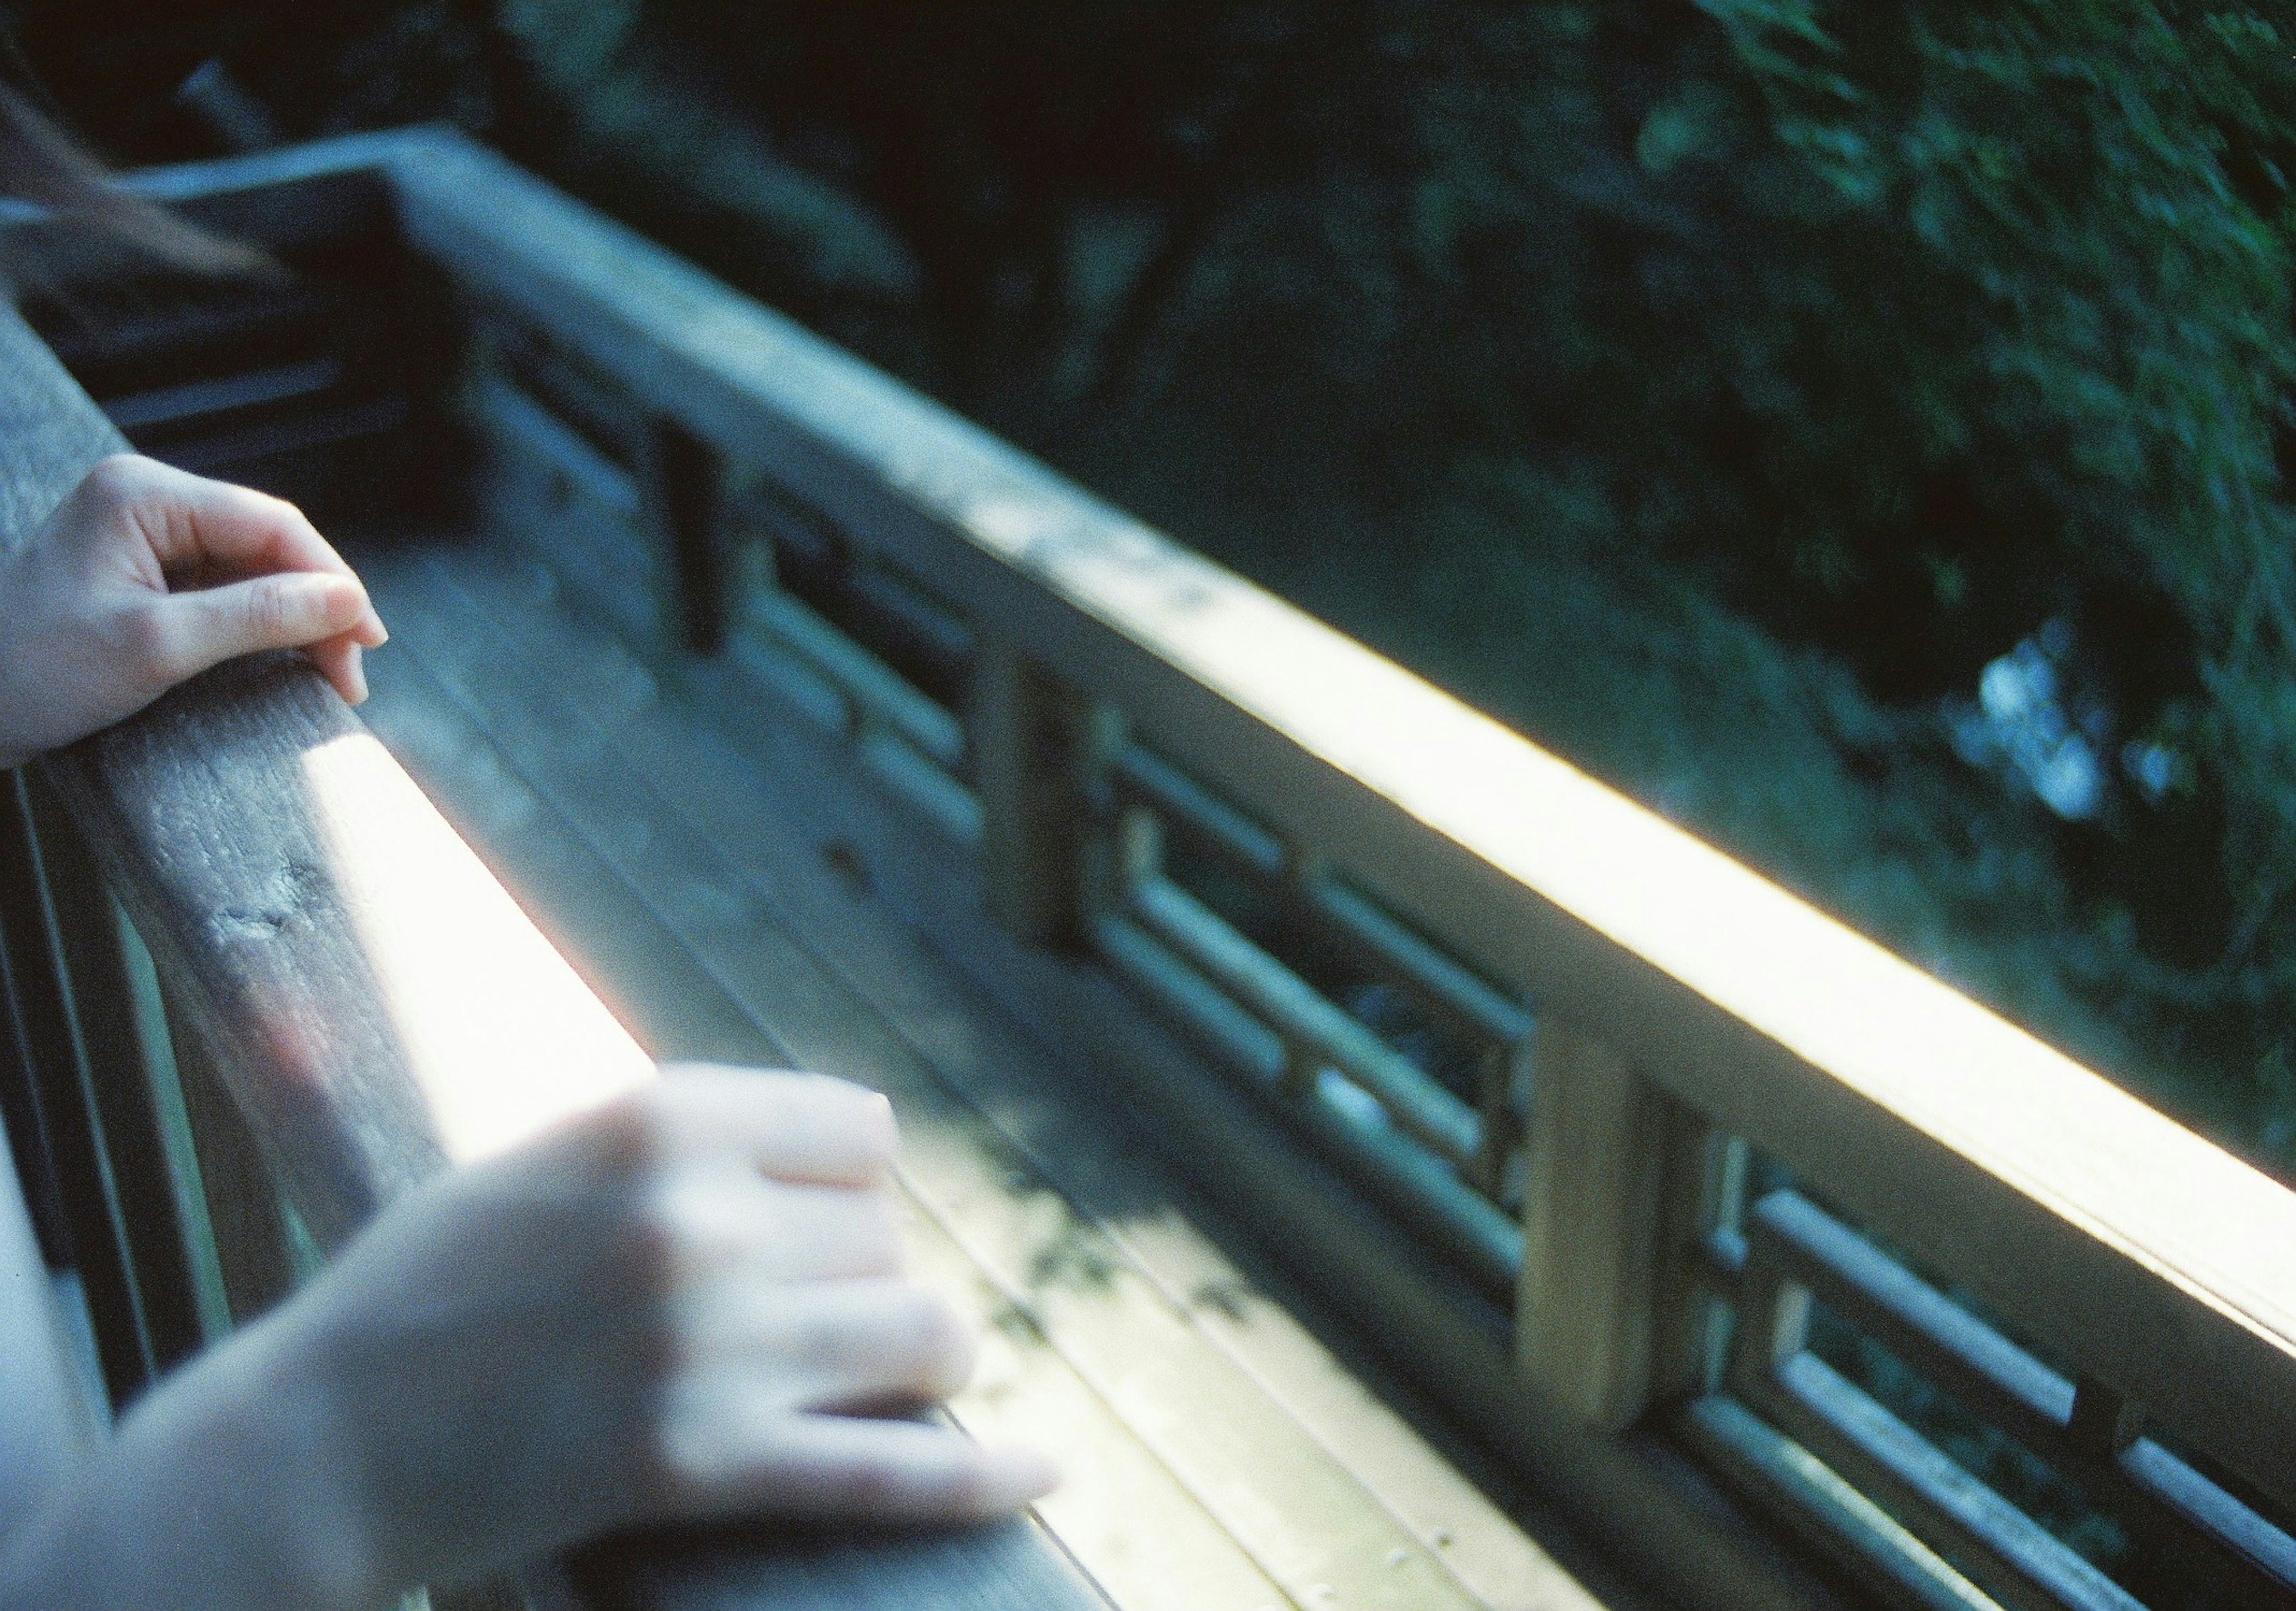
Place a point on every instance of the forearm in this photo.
(218, 1493)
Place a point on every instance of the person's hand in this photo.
(685, 1305)
(146, 575)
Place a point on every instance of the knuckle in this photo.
(268, 615)
(635, 1133)
(143, 641)
(117, 478)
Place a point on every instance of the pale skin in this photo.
(677, 1307)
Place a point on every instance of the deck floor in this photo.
(690, 845)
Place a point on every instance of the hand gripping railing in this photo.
(351, 1004)
(1621, 1151)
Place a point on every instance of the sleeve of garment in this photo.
(47, 1423)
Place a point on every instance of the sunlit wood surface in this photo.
(698, 861)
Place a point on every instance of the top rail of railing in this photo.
(373, 1002)
(1674, 993)
(2148, 1256)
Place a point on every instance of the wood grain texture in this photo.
(1184, 1473)
(2145, 1255)
(768, 794)
(1592, 1210)
(376, 1004)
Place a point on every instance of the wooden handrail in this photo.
(2145, 1255)
(375, 1002)
(1685, 1008)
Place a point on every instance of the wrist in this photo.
(229, 1480)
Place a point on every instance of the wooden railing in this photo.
(1657, 1176)
(256, 988)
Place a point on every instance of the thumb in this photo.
(288, 609)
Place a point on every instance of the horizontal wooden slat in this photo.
(2163, 1265)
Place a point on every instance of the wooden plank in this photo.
(1029, 1098)
(834, 1033)
(2158, 1262)
(96, 1243)
(1139, 1530)
(252, 1245)
(377, 1003)
(1234, 1151)
(1297, 1511)
(117, 1050)
(1998, 1547)
(729, 796)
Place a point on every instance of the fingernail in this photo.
(355, 665)
(1032, 1473)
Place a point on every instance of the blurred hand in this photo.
(685, 1305)
(147, 575)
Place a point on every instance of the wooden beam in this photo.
(2149, 1258)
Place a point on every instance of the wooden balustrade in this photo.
(1572, 1255)
(344, 1002)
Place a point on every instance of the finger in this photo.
(200, 527)
(792, 1127)
(730, 1222)
(829, 1346)
(846, 1468)
(188, 632)
(340, 661)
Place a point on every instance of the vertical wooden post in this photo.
(1593, 1199)
(1029, 740)
(46, 914)
(1504, 1067)
(1773, 1326)
(1705, 1197)
(127, 1084)
(683, 494)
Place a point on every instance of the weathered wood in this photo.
(1148, 1413)
(1239, 1155)
(2159, 1264)
(2154, 1264)
(377, 1005)
(683, 495)
(244, 1210)
(1588, 1299)
(58, 1099)
(1026, 735)
(122, 1059)
(1025, 1114)
(1000, 1568)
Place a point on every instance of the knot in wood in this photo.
(284, 902)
